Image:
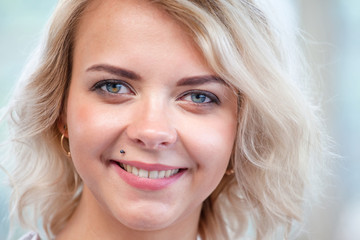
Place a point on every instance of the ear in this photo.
(62, 125)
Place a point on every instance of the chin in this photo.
(147, 223)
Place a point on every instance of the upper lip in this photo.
(149, 167)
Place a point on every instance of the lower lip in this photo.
(146, 183)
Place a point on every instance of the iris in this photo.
(113, 87)
(198, 98)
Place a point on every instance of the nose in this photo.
(151, 127)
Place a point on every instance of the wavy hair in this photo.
(280, 140)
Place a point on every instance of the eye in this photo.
(113, 87)
(200, 97)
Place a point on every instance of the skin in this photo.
(153, 118)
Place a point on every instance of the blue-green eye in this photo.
(200, 97)
(113, 87)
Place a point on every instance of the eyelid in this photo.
(101, 83)
(212, 96)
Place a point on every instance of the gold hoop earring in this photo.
(68, 153)
(230, 172)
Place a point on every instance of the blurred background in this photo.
(333, 26)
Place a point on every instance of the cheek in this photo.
(211, 143)
(82, 126)
(210, 146)
(92, 128)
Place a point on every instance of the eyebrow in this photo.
(198, 80)
(121, 72)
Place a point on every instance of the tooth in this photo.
(153, 174)
(143, 173)
(161, 174)
(175, 171)
(168, 173)
(135, 171)
(128, 168)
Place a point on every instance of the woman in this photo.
(162, 119)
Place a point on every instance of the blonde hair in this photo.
(280, 138)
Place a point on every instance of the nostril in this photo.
(153, 141)
(138, 141)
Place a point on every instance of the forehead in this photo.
(129, 17)
(131, 32)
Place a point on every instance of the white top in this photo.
(30, 236)
(35, 236)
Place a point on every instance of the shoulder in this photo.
(30, 236)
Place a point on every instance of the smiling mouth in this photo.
(148, 174)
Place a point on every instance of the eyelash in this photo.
(212, 97)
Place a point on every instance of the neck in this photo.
(90, 221)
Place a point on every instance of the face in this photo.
(140, 84)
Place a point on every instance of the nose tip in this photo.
(151, 126)
(154, 136)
